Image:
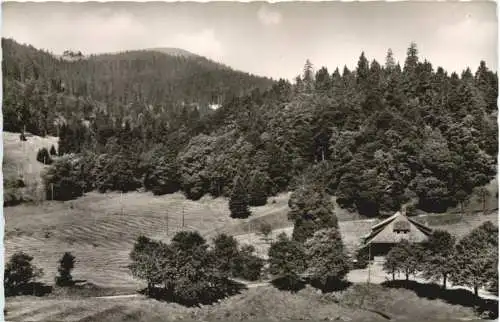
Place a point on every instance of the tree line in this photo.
(472, 262)
(376, 137)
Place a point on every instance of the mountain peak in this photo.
(173, 51)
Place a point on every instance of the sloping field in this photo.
(100, 229)
(351, 231)
(19, 160)
(265, 303)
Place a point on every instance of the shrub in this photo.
(361, 258)
(53, 151)
(246, 265)
(265, 229)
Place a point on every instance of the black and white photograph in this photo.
(249, 161)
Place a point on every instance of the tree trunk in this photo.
(393, 275)
(476, 290)
(444, 281)
(407, 276)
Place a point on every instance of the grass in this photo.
(20, 162)
(100, 229)
(265, 303)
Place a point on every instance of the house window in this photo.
(401, 227)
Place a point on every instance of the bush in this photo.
(246, 265)
(43, 156)
(20, 274)
(361, 258)
(265, 229)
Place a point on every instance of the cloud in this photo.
(269, 17)
(465, 41)
(104, 31)
(203, 43)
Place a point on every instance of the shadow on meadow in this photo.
(208, 297)
(486, 308)
(33, 288)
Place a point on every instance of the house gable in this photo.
(396, 228)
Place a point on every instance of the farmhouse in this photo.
(392, 230)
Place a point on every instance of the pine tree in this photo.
(238, 202)
(390, 63)
(53, 151)
(362, 69)
(308, 76)
(66, 265)
(258, 188)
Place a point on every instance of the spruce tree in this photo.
(238, 202)
(258, 189)
(66, 265)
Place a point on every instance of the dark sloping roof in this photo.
(396, 228)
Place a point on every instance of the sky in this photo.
(268, 39)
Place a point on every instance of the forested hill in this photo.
(376, 137)
(40, 88)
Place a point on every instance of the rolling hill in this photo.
(119, 84)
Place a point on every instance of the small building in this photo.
(390, 231)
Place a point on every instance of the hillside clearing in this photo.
(20, 166)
